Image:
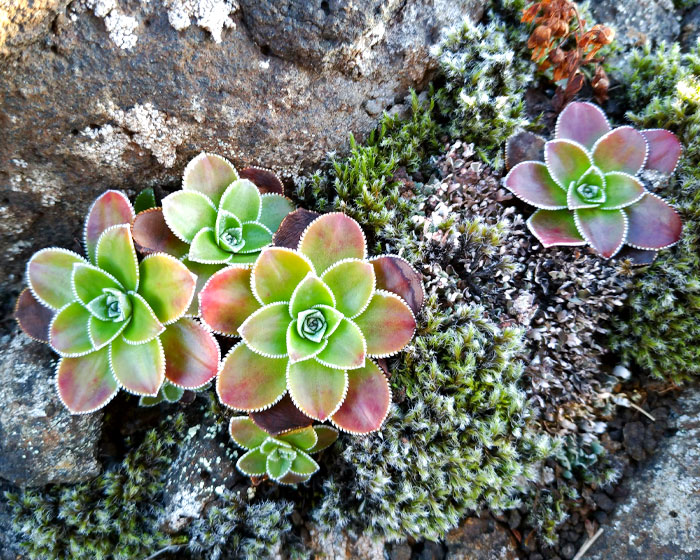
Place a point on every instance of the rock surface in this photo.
(635, 22)
(102, 94)
(40, 441)
(480, 539)
(660, 518)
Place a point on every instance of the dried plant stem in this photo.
(588, 544)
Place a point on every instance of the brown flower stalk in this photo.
(561, 42)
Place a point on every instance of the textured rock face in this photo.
(104, 94)
(660, 518)
(480, 539)
(635, 22)
(40, 442)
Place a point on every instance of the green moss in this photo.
(660, 326)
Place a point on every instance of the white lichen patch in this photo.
(212, 15)
(121, 27)
(105, 145)
(38, 182)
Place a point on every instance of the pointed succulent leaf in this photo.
(346, 348)
(111, 305)
(86, 384)
(292, 478)
(243, 258)
(531, 182)
(583, 123)
(143, 325)
(331, 238)
(555, 227)
(576, 200)
(395, 274)
(209, 174)
(110, 209)
(524, 146)
(68, 333)
(203, 272)
(664, 150)
(623, 149)
(104, 332)
(171, 393)
(316, 390)
(281, 418)
(33, 317)
(225, 220)
(325, 437)
(275, 208)
(187, 212)
(266, 180)
(277, 465)
(276, 274)
(621, 190)
(167, 285)
(245, 433)
(332, 318)
(250, 382)
(292, 227)
(49, 273)
(242, 199)
(653, 223)
(387, 324)
(605, 230)
(309, 292)
(191, 354)
(367, 402)
(253, 463)
(140, 368)
(145, 200)
(352, 283)
(227, 300)
(205, 250)
(256, 236)
(303, 464)
(152, 401)
(152, 235)
(116, 255)
(566, 161)
(265, 331)
(301, 348)
(303, 438)
(89, 283)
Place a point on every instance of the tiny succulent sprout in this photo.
(587, 190)
(284, 458)
(311, 321)
(116, 322)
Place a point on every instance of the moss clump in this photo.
(661, 325)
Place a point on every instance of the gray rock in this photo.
(638, 21)
(9, 544)
(40, 441)
(480, 539)
(659, 519)
(690, 29)
(104, 94)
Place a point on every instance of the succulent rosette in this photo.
(116, 322)
(284, 458)
(588, 191)
(311, 320)
(223, 218)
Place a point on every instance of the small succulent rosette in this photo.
(312, 321)
(284, 458)
(588, 191)
(219, 217)
(116, 322)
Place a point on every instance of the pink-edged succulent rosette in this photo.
(116, 322)
(588, 190)
(313, 320)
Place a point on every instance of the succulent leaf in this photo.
(317, 390)
(301, 348)
(109, 209)
(255, 236)
(49, 273)
(621, 190)
(143, 325)
(303, 464)
(332, 238)
(170, 392)
(253, 463)
(103, 332)
(346, 348)
(203, 272)
(292, 227)
(209, 174)
(653, 223)
(187, 212)
(191, 354)
(145, 200)
(167, 285)
(325, 437)
(303, 438)
(226, 300)
(152, 235)
(605, 230)
(531, 182)
(250, 382)
(352, 283)
(276, 274)
(388, 324)
(395, 274)
(115, 254)
(89, 283)
(555, 227)
(32, 316)
(265, 331)
(275, 208)
(566, 161)
(623, 149)
(206, 250)
(309, 292)
(367, 402)
(86, 384)
(242, 199)
(68, 333)
(266, 180)
(139, 368)
(280, 418)
(245, 433)
(278, 463)
(664, 150)
(582, 122)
